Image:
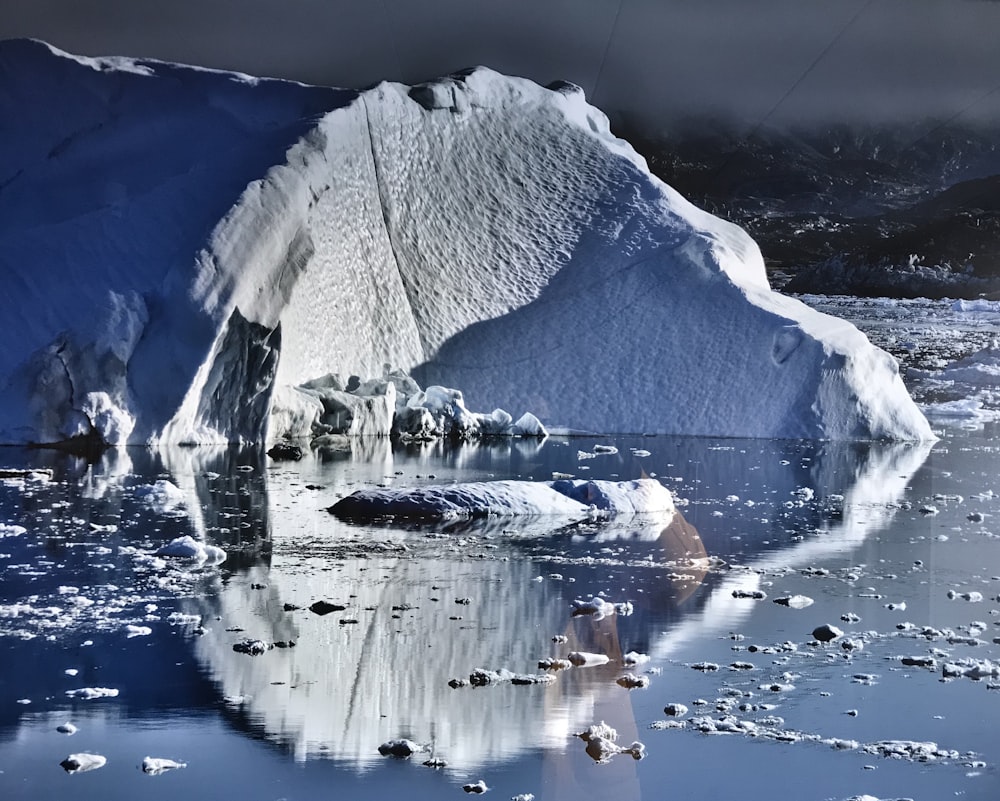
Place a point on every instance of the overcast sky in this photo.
(766, 61)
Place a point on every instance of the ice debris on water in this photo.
(137, 631)
(400, 748)
(162, 497)
(632, 682)
(826, 633)
(600, 609)
(794, 601)
(251, 647)
(66, 728)
(81, 763)
(523, 797)
(755, 595)
(90, 693)
(554, 663)
(476, 787)
(976, 669)
(11, 530)
(481, 677)
(154, 766)
(601, 746)
(675, 710)
(586, 659)
(187, 547)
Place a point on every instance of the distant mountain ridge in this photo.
(898, 211)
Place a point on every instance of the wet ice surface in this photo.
(717, 668)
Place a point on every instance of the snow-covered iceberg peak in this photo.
(478, 231)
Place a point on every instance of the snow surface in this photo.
(180, 246)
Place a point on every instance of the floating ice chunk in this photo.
(162, 497)
(476, 787)
(634, 658)
(632, 682)
(601, 746)
(586, 659)
(794, 601)
(400, 748)
(81, 763)
(827, 633)
(251, 647)
(523, 797)
(90, 693)
(11, 530)
(187, 547)
(153, 766)
(552, 663)
(576, 499)
(66, 728)
(137, 631)
(675, 710)
(481, 677)
(600, 609)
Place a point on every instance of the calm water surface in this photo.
(896, 545)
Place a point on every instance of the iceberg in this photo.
(183, 248)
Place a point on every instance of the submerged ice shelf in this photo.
(478, 231)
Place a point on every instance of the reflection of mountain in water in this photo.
(348, 686)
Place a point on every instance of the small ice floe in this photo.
(794, 601)
(910, 750)
(554, 663)
(600, 609)
(633, 658)
(826, 633)
(928, 510)
(972, 597)
(632, 682)
(252, 647)
(852, 644)
(187, 547)
(400, 748)
(639, 452)
(434, 762)
(11, 530)
(804, 493)
(754, 595)
(560, 638)
(137, 631)
(154, 766)
(90, 693)
(523, 797)
(705, 667)
(322, 607)
(66, 728)
(81, 763)
(675, 710)
(601, 746)
(850, 617)
(975, 517)
(476, 787)
(481, 677)
(586, 659)
(976, 669)
(162, 497)
(919, 661)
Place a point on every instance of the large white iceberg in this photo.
(176, 244)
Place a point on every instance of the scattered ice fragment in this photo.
(552, 663)
(187, 547)
(894, 607)
(675, 710)
(600, 609)
(162, 497)
(631, 682)
(251, 647)
(705, 667)
(71, 671)
(850, 617)
(11, 530)
(137, 631)
(826, 633)
(975, 517)
(476, 787)
(586, 659)
(919, 661)
(756, 595)
(434, 762)
(325, 607)
(89, 693)
(634, 658)
(928, 510)
(400, 748)
(81, 763)
(523, 797)
(480, 677)
(154, 766)
(794, 601)
(23, 701)
(66, 728)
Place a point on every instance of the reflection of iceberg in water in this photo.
(348, 686)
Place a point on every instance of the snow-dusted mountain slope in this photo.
(175, 243)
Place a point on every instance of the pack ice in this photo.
(182, 247)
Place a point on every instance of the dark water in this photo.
(849, 526)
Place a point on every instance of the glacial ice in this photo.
(478, 231)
